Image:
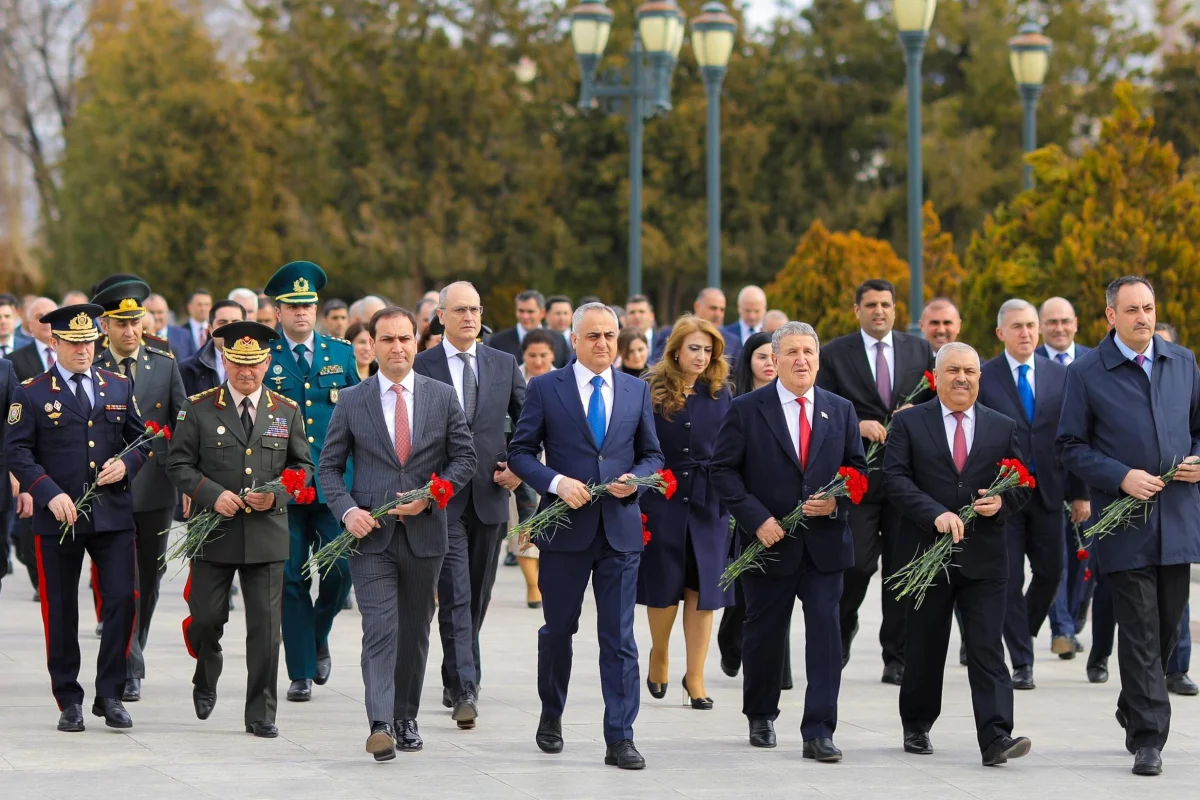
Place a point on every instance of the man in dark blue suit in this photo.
(1068, 612)
(751, 308)
(942, 456)
(1132, 412)
(1028, 389)
(709, 305)
(596, 426)
(66, 428)
(779, 445)
(187, 339)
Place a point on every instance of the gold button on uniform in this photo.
(91, 444)
(309, 420)
(89, 423)
(249, 470)
(92, 464)
(308, 402)
(308, 386)
(311, 440)
(158, 405)
(249, 452)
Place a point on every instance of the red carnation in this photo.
(1081, 554)
(152, 427)
(668, 478)
(931, 380)
(306, 495)
(166, 432)
(645, 536)
(293, 480)
(645, 519)
(440, 490)
(1087, 574)
(856, 483)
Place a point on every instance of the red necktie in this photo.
(960, 442)
(805, 433)
(403, 435)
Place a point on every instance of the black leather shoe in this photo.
(465, 711)
(729, 667)
(99, 630)
(1022, 678)
(204, 701)
(300, 691)
(893, 673)
(510, 560)
(115, 715)
(624, 755)
(1097, 672)
(762, 733)
(263, 730)
(1004, 748)
(917, 743)
(324, 666)
(382, 741)
(447, 698)
(823, 750)
(1179, 683)
(1147, 761)
(133, 690)
(408, 738)
(549, 735)
(71, 719)
(657, 690)
(1077, 644)
(1123, 721)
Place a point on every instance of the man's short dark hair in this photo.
(390, 312)
(538, 336)
(532, 294)
(217, 306)
(874, 285)
(196, 292)
(7, 299)
(333, 305)
(1114, 288)
(557, 298)
(639, 298)
(266, 302)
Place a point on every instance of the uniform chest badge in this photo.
(333, 395)
(49, 407)
(57, 406)
(332, 369)
(220, 429)
(278, 428)
(14, 413)
(278, 369)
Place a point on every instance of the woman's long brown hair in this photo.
(668, 390)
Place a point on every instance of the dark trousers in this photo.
(306, 624)
(1036, 533)
(1181, 657)
(59, 565)
(25, 541)
(1068, 612)
(730, 635)
(874, 526)
(207, 595)
(982, 605)
(1104, 622)
(769, 603)
(563, 579)
(1148, 604)
(7, 527)
(150, 569)
(454, 609)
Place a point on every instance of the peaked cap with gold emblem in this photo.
(76, 324)
(122, 298)
(246, 342)
(296, 283)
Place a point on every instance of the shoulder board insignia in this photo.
(150, 338)
(157, 351)
(203, 394)
(336, 339)
(108, 374)
(35, 379)
(283, 399)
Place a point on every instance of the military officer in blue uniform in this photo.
(312, 370)
(67, 426)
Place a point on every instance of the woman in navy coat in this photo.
(689, 545)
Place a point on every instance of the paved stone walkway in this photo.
(170, 755)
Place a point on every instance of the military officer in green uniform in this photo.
(227, 441)
(312, 370)
(158, 390)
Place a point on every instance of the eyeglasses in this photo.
(462, 311)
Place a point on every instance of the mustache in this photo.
(960, 384)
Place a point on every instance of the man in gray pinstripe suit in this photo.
(399, 427)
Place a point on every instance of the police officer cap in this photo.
(246, 342)
(296, 283)
(75, 323)
(122, 299)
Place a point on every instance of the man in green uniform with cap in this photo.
(312, 370)
(227, 441)
(158, 391)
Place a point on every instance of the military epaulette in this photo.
(283, 399)
(159, 352)
(203, 394)
(336, 339)
(35, 379)
(111, 374)
(150, 338)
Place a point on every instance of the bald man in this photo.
(752, 308)
(940, 322)
(774, 320)
(709, 305)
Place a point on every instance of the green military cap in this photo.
(296, 283)
(122, 298)
(75, 324)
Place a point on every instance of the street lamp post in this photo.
(712, 42)
(648, 92)
(1029, 56)
(913, 18)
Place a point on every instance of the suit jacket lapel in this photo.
(620, 407)
(819, 424)
(285, 356)
(484, 359)
(420, 410)
(862, 368)
(937, 430)
(1009, 381)
(70, 401)
(1039, 391)
(230, 414)
(568, 393)
(772, 411)
(375, 412)
(99, 392)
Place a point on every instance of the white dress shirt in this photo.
(952, 425)
(745, 331)
(197, 329)
(889, 355)
(388, 399)
(583, 380)
(1014, 368)
(69, 384)
(6, 347)
(456, 366)
(791, 411)
(1052, 354)
(238, 397)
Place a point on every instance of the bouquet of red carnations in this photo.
(915, 577)
(200, 526)
(544, 523)
(84, 504)
(927, 382)
(848, 483)
(438, 491)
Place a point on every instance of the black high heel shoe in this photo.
(657, 690)
(698, 703)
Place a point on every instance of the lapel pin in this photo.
(824, 415)
(220, 429)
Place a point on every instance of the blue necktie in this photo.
(1025, 391)
(596, 411)
(1061, 358)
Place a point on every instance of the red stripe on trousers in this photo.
(97, 598)
(187, 622)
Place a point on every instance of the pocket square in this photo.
(824, 415)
